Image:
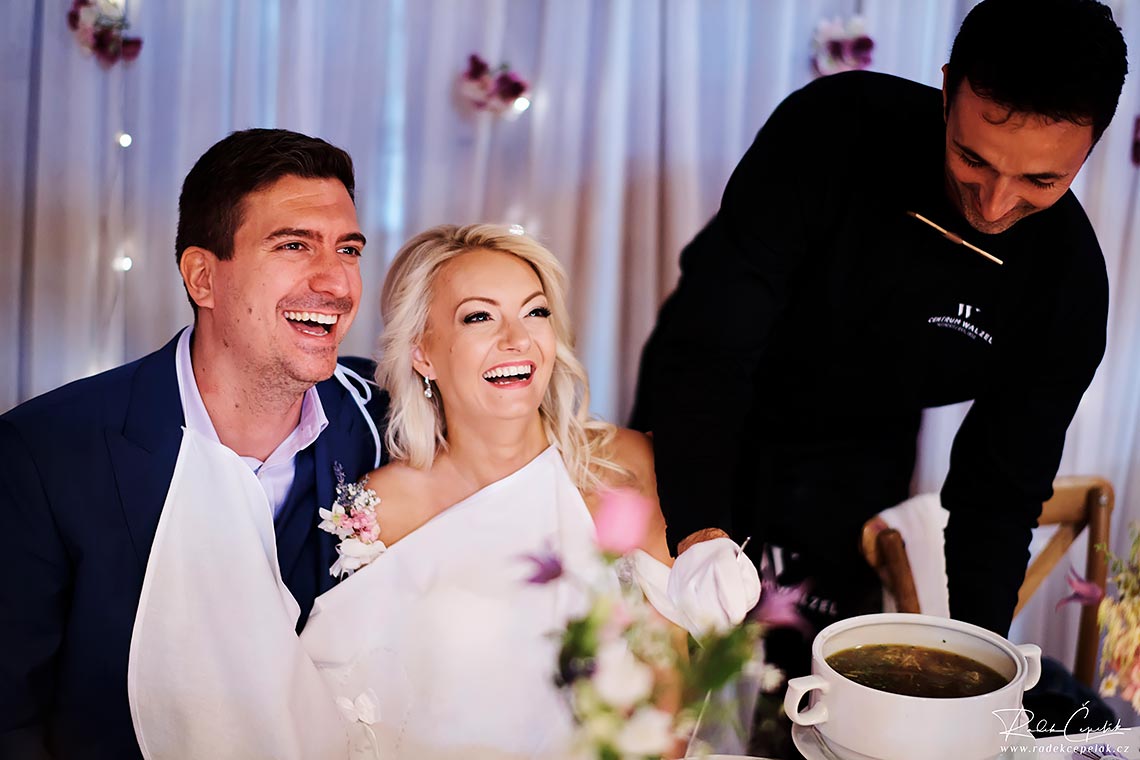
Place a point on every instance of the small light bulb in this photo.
(521, 104)
(122, 264)
(516, 229)
(125, 140)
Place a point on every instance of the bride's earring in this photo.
(427, 387)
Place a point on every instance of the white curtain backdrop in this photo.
(641, 109)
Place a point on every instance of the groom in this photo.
(268, 247)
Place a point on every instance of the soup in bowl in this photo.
(898, 686)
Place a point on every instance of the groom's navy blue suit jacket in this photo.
(84, 472)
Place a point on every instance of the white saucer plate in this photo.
(813, 746)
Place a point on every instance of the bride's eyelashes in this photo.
(477, 316)
(485, 316)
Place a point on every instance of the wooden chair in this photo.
(1078, 502)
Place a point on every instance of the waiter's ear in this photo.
(197, 267)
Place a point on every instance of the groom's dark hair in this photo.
(211, 206)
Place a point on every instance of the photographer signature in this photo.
(1019, 722)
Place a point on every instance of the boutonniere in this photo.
(352, 519)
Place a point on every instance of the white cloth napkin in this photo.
(185, 674)
(921, 521)
(711, 586)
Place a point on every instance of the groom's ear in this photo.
(197, 269)
(421, 363)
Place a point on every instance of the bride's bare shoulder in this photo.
(395, 480)
(633, 451)
(403, 506)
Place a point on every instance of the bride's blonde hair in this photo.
(417, 426)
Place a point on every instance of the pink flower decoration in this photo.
(841, 46)
(1084, 592)
(98, 26)
(498, 91)
(622, 521)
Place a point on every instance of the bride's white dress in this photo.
(441, 633)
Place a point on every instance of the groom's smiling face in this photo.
(282, 303)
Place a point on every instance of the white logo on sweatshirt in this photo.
(965, 309)
(962, 324)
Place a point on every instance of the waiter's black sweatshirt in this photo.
(815, 319)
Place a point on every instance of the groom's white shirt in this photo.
(277, 472)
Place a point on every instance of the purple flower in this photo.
(476, 67)
(547, 567)
(778, 604)
(1084, 592)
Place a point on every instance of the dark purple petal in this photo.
(131, 48)
(508, 86)
(548, 567)
(835, 49)
(105, 39)
(574, 668)
(106, 46)
(779, 607)
(73, 19)
(476, 67)
(861, 52)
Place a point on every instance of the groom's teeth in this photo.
(312, 316)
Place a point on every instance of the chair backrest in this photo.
(1078, 502)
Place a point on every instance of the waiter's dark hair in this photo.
(1062, 59)
(212, 202)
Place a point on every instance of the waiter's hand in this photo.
(713, 583)
(706, 534)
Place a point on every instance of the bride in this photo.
(436, 647)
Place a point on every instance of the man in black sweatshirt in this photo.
(820, 311)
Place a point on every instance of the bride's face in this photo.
(489, 344)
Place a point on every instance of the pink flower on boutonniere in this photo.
(622, 521)
(352, 519)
